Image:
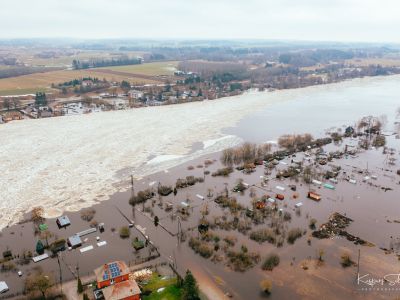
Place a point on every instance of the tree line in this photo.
(78, 65)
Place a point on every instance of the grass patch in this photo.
(172, 292)
(170, 284)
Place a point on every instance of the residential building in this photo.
(125, 290)
(111, 273)
(63, 221)
(74, 241)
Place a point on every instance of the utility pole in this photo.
(179, 229)
(358, 262)
(59, 266)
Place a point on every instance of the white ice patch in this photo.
(68, 163)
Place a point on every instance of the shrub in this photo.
(270, 262)
(7, 267)
(262, 235)
(379, 141)
(287, 216)
(266, 286)
(124, 232)
(312, 223)
(222, 172)
(242, 260)
(164, 190)
(293, 235)
(345, 260)
(201, 247)
(141, 197)
(37, 214)
(58, 245)
(230, 240)
(88, 214)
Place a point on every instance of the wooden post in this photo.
(358, 262)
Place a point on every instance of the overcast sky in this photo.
(324, 20)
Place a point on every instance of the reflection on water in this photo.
(316, 109)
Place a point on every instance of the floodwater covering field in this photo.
(68, 163)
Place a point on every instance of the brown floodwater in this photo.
(372, 209)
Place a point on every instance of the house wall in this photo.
(105, 283)
(134, 297)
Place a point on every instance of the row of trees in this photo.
(246, 153)
(77, 64)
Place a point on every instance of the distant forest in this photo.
(78, 65)
(22, 70)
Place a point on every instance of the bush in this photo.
(58, 245)
(379, 141)
(287, 216)
(270, 262)
(345, 260)
(124, 232)
(266, 286)
(312, 223)
(164, 190)
(88, 214)
(201, 247)
(7, 267)
(141, 197)
(262, 235)
(223, 172)
(293, 235)
(242, 260)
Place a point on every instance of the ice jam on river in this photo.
(67, 163)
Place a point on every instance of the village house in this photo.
(63, 221)
(113, 278)
(74, 241)
(111, 273)
(125, 290)
(135, 94)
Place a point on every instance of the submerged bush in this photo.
(141, 197)
(270, 262)
(293, 235)
(124, 232)
(262, 235)
(266, 286)
(223, 172)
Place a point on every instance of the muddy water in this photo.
(372, 209)
(322, 107)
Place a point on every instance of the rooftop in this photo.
(121, 290)
(63, 221)
(74, 240)
(111, 270)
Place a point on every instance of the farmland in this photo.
(137, 74)
(152, 69)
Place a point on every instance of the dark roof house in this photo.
(74, 241)
(63, 221)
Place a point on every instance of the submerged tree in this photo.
(38, 282)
